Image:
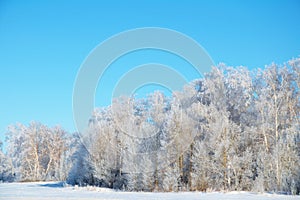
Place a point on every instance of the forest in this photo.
(232, 130)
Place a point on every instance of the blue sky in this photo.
(43, 43)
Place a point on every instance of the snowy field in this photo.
(56, 190)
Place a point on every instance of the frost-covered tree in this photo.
(234, 129)
(171, 178)
(221, 139)
(277, 106)
(6, 168)
(36, 151)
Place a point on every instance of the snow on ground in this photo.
(57, 190)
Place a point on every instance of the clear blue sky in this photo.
(43, 43)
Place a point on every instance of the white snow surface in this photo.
(58, 190)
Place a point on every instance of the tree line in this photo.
(234, 129)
